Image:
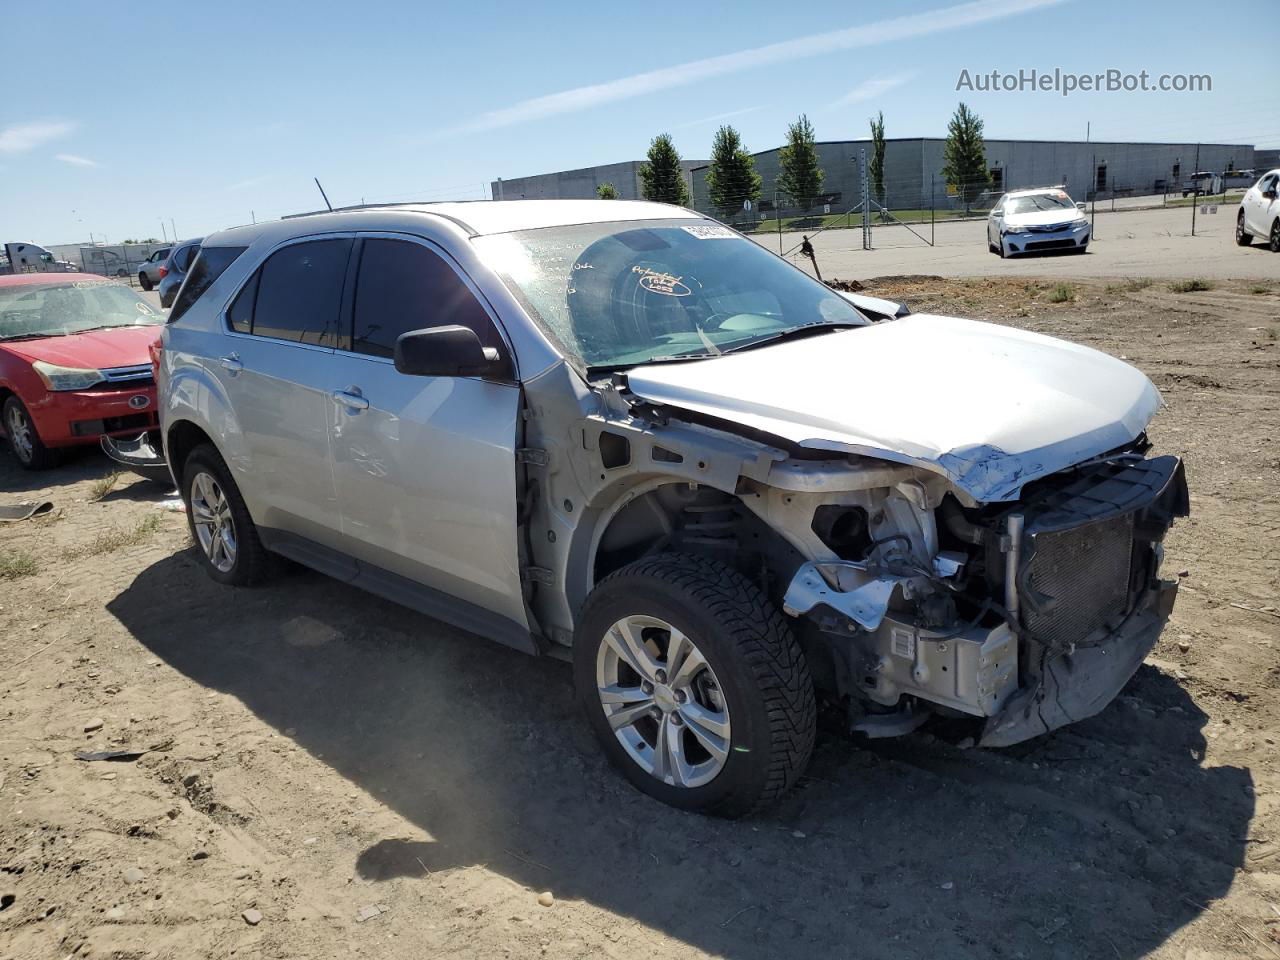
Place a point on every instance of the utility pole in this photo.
(777, 214)
(175, 230)
(162, 232)
(1093, 199)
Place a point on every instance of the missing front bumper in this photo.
(1080, 684)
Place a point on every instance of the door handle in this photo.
(232, 363)
(350, 400)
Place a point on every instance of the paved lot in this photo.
(1128, 243)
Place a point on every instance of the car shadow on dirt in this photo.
(1099, 841)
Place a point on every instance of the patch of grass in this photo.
(17, 563)
(103, 485)
(1193, 285)
(114, 539)
(1062, 293)
(1129, 286)
(1259, 289)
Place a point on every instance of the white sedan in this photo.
(1031, 221)
(1259, 214)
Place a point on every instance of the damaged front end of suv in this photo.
(959, 518)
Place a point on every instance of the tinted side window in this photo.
(240, 316)
(300, 292)
(185, 256)
(208, 267)
(404, 286)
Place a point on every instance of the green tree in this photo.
(662, 178)
(732, 177)
(607, 191)
(964, 157)
(800, 176)
(876, 167)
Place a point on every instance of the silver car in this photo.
(152, 269)
(625, 435)
(1037, 221)
(175, 268)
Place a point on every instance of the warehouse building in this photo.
(913, 171)
(581, 184)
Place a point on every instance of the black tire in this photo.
(748, 645)
(252, 563)
(1000, 249)
(144, 281)
(1275, 236)
(32, 455)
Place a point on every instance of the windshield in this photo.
(1040, 202)
(59, 309)
(619, 294)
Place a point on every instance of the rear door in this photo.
(424, 467)
(283, 327)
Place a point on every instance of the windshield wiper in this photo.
(597, 368)
(29, 336)
(804, 330)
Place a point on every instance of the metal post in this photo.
(163, 233)
(175, 230)
(933, 241)
(777, 215)
(1195, 193)
(1093, 201)
(866, 200)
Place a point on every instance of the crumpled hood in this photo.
(93, 349)
(988, 406)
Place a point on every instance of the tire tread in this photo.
(768, 649)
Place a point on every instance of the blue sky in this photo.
(202, 113)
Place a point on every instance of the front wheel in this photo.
(1243, 236)
(144, 281)
(24, 438)
(1275, 236)
(695, 685)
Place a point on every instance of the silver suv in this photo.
(625, 435)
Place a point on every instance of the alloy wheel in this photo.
(214, 526)
(663, 701)
(18, 427)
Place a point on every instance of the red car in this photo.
(75, 363)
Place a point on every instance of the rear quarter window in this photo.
(208, 267)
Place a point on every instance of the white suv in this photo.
(626, 435)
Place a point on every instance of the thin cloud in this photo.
(871, 89)
(246, 184)
(868, 35)
(715, 119)
(75, 161)
(21, 137)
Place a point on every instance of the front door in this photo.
(424, 467)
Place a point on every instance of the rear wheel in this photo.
(1275, 236)
(695, 685)
(225, 535)
(24, 439)
(144, 281)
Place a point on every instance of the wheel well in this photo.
(700, 520)
(183, 437)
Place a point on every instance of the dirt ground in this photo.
(331, 776)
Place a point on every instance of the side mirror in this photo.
(452, 351)
(1080, 205)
